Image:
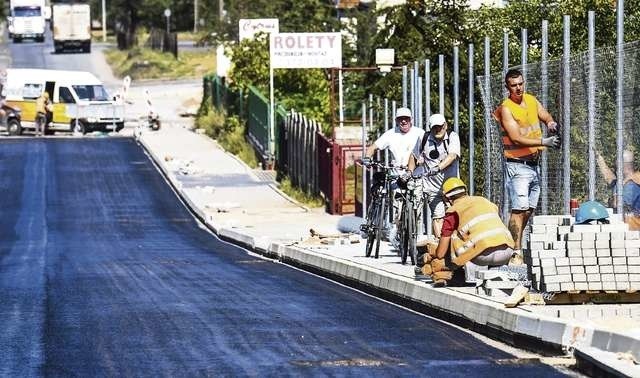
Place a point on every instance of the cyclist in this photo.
(400, 141)
(472, 231)
(438, 153)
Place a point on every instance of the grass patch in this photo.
(229, 132)
(307, 199)
(144, 63)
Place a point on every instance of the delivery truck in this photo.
(71, 25)
(26, 20)
(80, 102)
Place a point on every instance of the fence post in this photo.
(620, 103)
(566, 105)
(487, 118)
(591, 104)
(472, 145)
(456, 89)
(545, 88)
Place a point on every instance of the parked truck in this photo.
(71, 26)
(26, 20)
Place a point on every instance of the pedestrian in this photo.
(630, 187)
(519, 116)
(471, 231)
(400, 141)
(438, 153)
(43, 109)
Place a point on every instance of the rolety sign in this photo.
(306, 50)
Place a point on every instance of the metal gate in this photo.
(337, 174)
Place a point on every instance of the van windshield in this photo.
(26, 11)
(91, 92)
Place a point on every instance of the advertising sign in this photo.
(305, 50)
(247, 28)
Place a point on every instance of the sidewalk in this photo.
(243, 206)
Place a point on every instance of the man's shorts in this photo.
(523, 183)
(436, 204)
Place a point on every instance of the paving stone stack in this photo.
(566, 257)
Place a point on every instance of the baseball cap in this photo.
(436, 119)
(403, 112)
(627, 156)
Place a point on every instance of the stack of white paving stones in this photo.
(567, 257)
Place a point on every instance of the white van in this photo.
(80, 101)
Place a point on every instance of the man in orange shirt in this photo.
(519, 116)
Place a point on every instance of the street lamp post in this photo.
(104, 21)
(167, 15)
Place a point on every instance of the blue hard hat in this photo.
(592, 211)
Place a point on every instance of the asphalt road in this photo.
(103, 272)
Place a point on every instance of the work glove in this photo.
(432, 171)
(552, 141)
(366, 160)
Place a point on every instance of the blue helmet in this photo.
(592, 211)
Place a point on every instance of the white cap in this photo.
(627, 156)
(436, 119)
(403, 112)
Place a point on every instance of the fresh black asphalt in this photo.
(103, 272)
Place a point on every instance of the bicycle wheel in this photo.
(371, 232)
(406, 231)
(413, 234)
(380, 224)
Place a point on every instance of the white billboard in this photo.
(305, 50)
(248, 27)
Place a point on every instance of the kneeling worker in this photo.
(472, 230)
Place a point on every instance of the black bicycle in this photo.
(380, 205)
(408, 225)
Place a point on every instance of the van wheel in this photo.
(17, 39)
(78, 127)
(14, 127)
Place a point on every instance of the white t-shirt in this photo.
(400, 144)
(433, 153)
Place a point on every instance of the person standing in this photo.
(438, 153)
(400, 141)
(519, 116)
(472, 231)
(43, 108)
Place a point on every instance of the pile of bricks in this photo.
(567, 257)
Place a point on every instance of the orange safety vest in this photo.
(527, 119)
(479, 228)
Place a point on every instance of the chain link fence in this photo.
(546, 83)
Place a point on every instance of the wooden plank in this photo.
(601, 297)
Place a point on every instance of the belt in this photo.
(530, 163)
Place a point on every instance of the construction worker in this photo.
(472, 231)
(43, 108)
(519, 116)
(630, 187)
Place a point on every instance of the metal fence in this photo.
(298, 146)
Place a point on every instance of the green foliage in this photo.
(299, 195)
(229, 132)
(143, 63)
(306, 91)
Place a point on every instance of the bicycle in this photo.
(380, 205)
(408, 227)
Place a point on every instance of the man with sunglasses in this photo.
(400, 142)
(438, 153)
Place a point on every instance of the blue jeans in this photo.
(523, 183)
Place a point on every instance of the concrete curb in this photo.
(515, 326)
